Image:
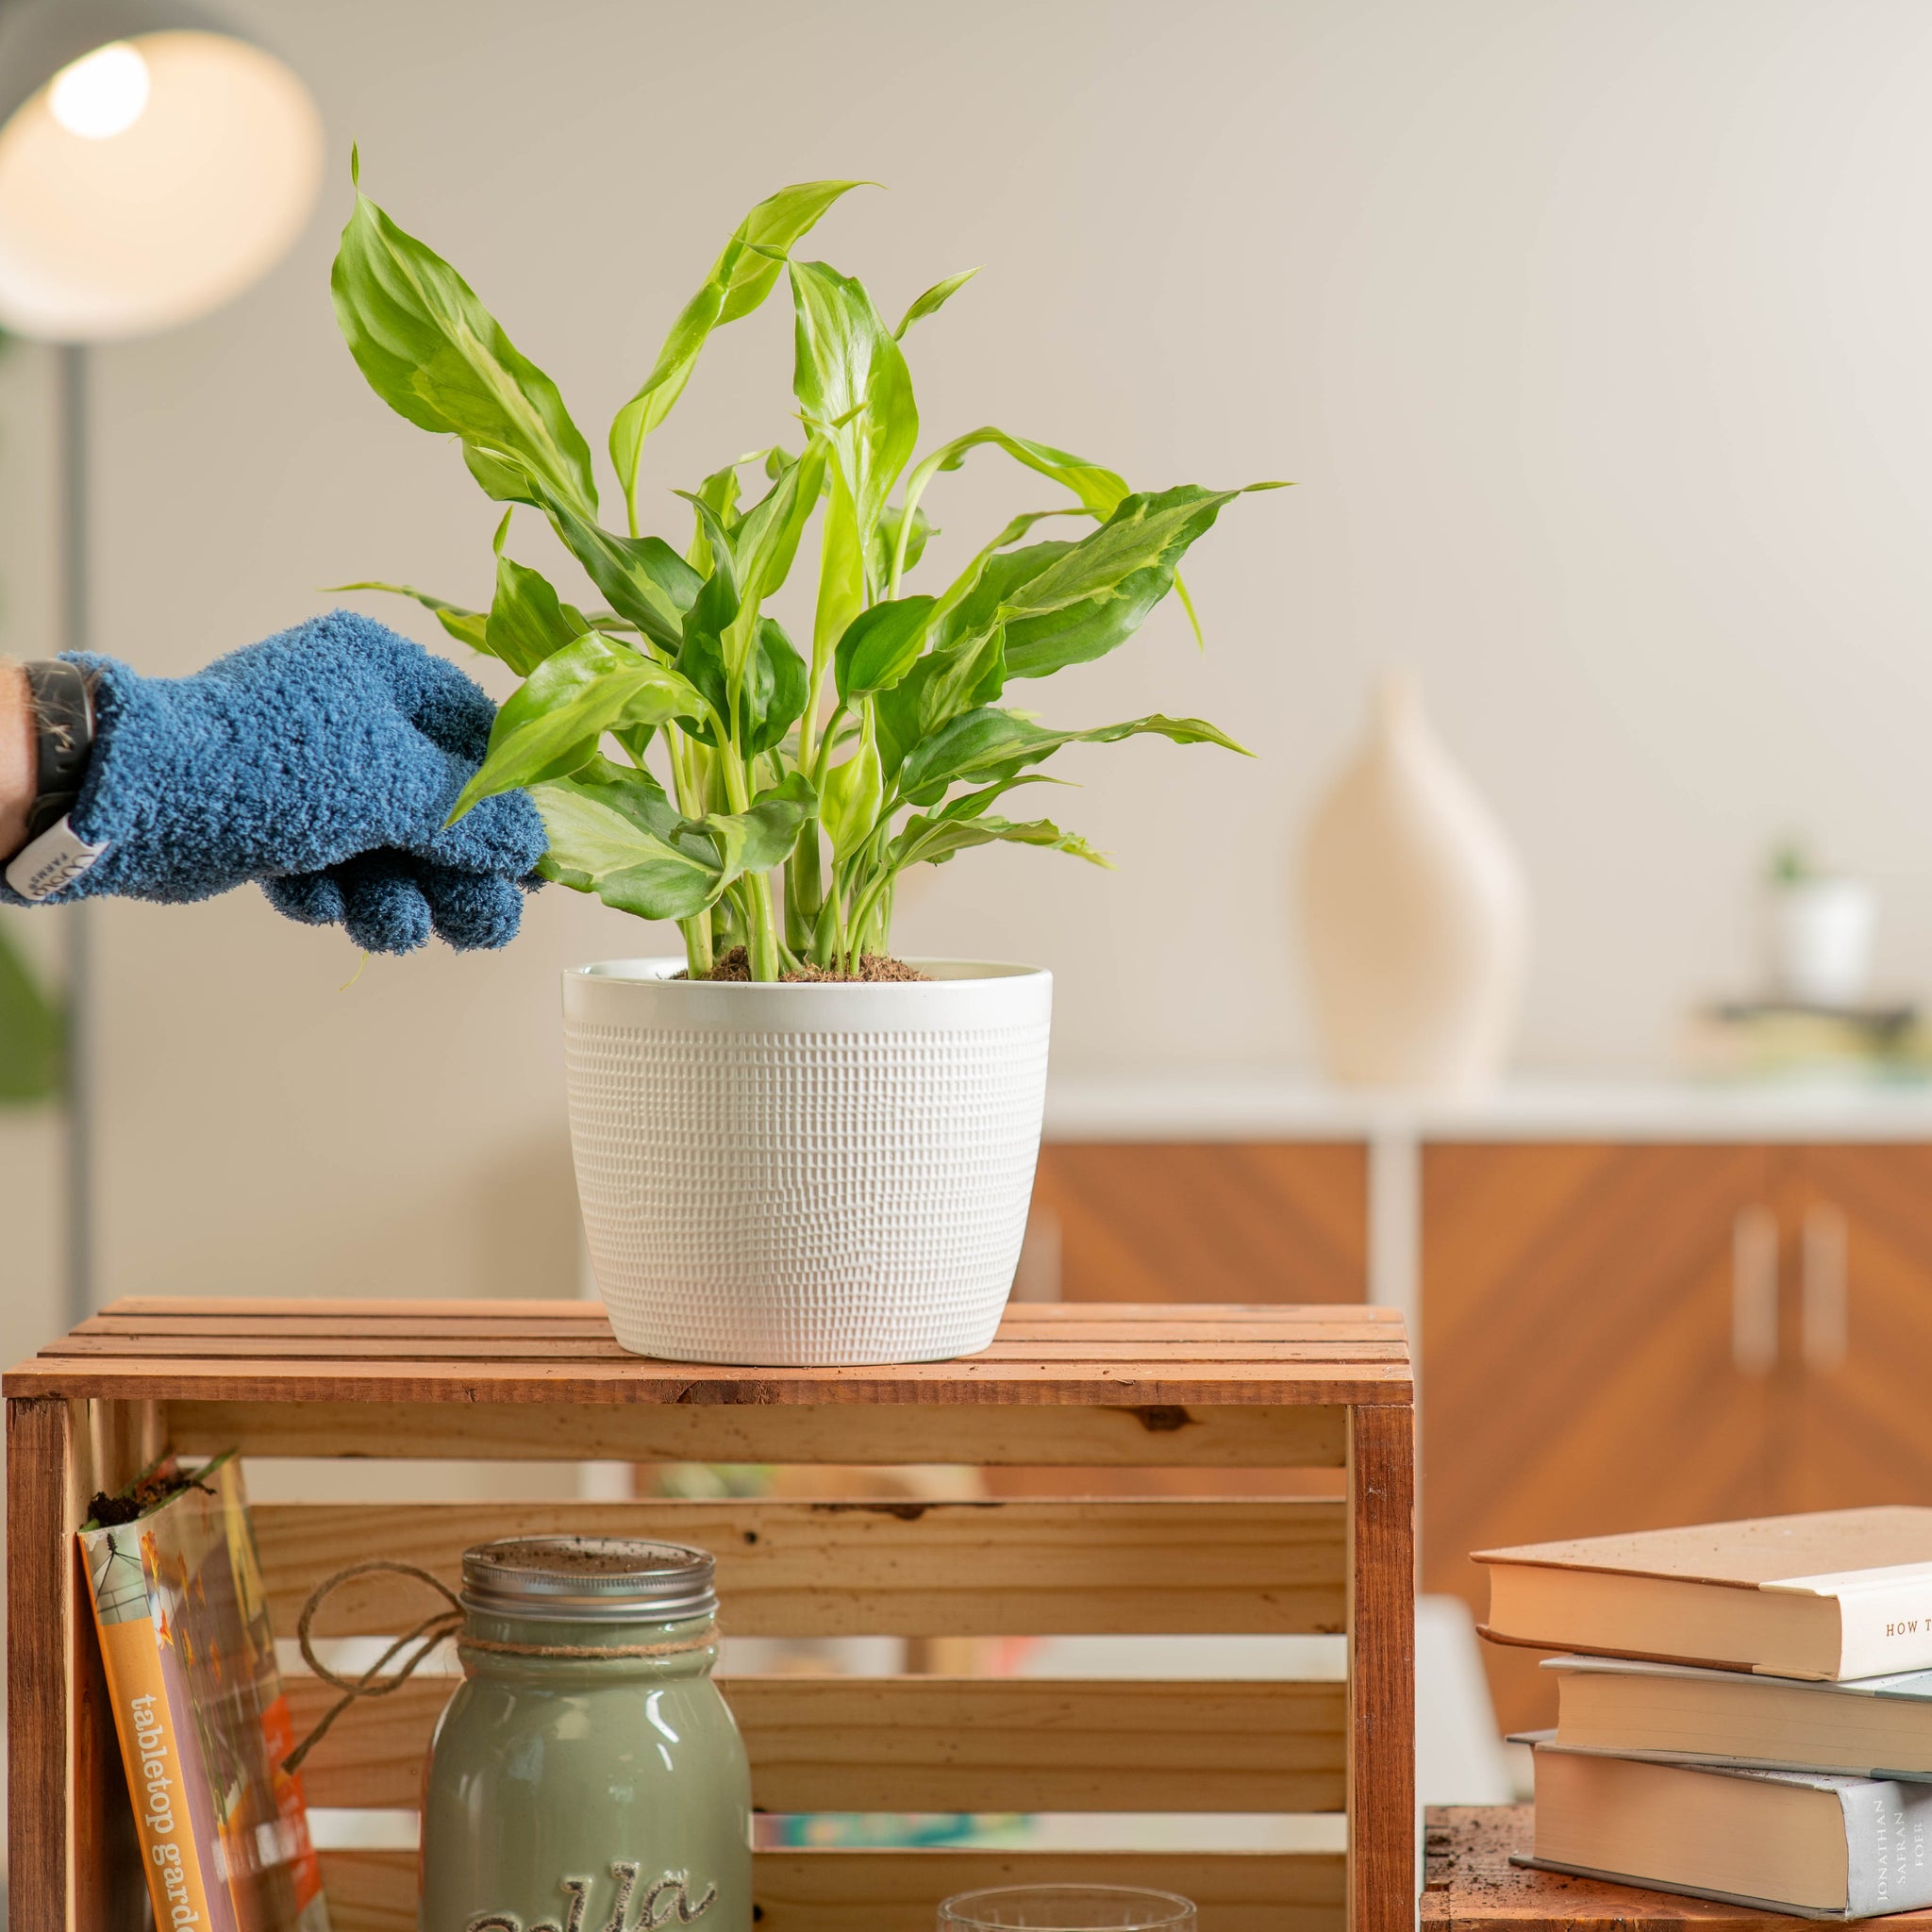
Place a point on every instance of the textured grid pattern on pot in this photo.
(806, 1198)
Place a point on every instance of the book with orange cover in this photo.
(204, 1726)
(1839, 1593)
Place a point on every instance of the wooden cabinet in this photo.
(1856, 1272)
(1198, 1222)
(1615, 1334)
(1628, 1336)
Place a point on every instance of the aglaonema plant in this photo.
(765, 795)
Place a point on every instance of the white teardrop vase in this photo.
(1414, 915)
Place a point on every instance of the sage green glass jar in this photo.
(587, 1775)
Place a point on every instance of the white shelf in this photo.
(1234, 1107)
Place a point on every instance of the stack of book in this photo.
(1744, 1709)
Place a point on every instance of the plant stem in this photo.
(761, 928)
(698, 955)
(805, 891)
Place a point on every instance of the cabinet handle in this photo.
(1754, 1292)
(1827, 1290)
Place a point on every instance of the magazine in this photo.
(198, 1704)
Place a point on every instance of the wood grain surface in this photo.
(1381, 1670)
(1018, 1569)
(1578, 1359)
(974, 1744)
(1204, 1221)
(1245, 1387)
(899, 1891)
(1098, 1355)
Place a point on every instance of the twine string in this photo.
(434, 1629)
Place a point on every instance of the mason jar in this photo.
(586, 1773)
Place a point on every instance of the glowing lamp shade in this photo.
(149, 175)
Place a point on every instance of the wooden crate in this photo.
(1119, 1385)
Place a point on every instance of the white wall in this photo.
(1594, 334)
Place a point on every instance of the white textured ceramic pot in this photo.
(799, 1175)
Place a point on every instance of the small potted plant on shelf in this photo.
(791, 1146)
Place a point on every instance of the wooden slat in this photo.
(1156, 1435)
(520, 1353)
(1382, 1878)
(974, 1744)
(1057, 1315)
(329, 1350)
(1138, 1379)
(74, 1856)
(898, 1892)
(898, 1569)
(105, 1333)
(40, 1614)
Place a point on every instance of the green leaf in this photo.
(775, 696)
(551, 725)
(763, 835)
(1100, 490)
(938, 687)
(853, 794)
(1095, 595)
(879, 646)
(719, 491)
(466, 627)
(992, 743)
(841, 572)
(933, 840)
(740, 278)
(765, 543)
(971, 805)
(647, 582)
(614, 833)
(969, 579)
(437, 358)
(849, 372)
(526, 623)
(933, 301)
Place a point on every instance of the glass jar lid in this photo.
(603, 1579)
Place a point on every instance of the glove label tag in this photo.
(55, 859)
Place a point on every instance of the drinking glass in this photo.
(1066, 1909)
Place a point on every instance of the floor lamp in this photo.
(153, 165)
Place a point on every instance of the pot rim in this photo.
(662, 969)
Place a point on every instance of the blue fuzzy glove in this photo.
(322, 763)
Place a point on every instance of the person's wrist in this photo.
(19, 757)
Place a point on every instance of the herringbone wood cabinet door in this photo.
(1859, 1272)
(1203, 1220)
(1577, 1358)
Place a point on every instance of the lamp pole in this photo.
(76, 630)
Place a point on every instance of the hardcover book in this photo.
(198, 1705)
(1839, 1593)
(1869, 1727)
(1824, 1846)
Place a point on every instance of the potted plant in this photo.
(790, 1147)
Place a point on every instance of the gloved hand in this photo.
(322, 763)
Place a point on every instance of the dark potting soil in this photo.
(873, 967)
